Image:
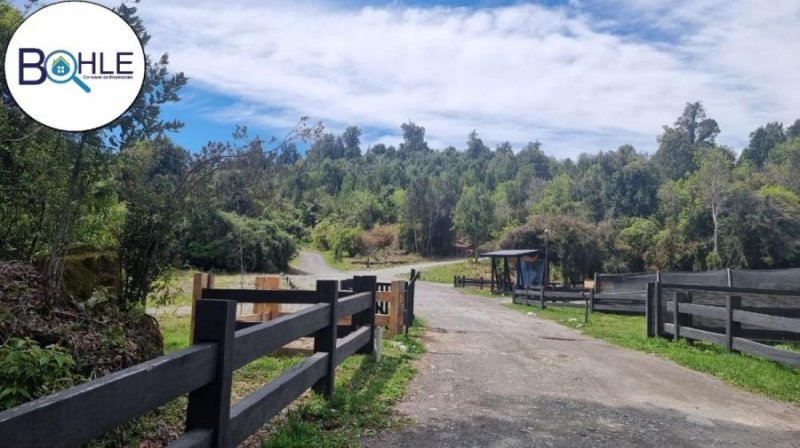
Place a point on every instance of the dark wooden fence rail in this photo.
(463, 282)
(205, 370)
(674, 315)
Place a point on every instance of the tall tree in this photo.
(473, 217)
(713, 179)
(677, 145)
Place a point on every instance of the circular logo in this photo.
(74, 66)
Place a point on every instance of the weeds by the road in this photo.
(748, 372)
(365, 391)
(361, 404)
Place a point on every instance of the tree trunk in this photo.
(54, 269)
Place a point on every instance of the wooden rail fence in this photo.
(204, 371)
(460, 281)
(721, 318)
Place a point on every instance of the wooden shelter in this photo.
(529, 268)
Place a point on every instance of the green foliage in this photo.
(473, 216)
(362, 402)
(30, 371)
(231, 242)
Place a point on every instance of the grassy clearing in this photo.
(468, 268)
(741, 370)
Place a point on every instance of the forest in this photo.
(128, 191)
(94, 225)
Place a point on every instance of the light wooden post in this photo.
(267, 311)
(201, 281)
(397, 307)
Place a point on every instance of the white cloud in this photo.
(566, 76)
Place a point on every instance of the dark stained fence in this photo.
(746, 320)
(627, 292)
(463, 282)
(75, 416)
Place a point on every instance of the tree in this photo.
(473, 217)
(351, 138)
(713, 179)
(677, 145)
(413, 139)
(762, 141)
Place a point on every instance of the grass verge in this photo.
(747, 372)
(361, 404)
(468, 268)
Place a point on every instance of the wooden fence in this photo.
(460, 281)
(740, 319)
(204, 371)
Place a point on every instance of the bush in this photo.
(378, 238)
(30, 371)
(213, 240)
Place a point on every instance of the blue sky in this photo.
(577, 75)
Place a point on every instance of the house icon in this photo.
(60, 67)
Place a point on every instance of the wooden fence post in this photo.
(648, 311)
(325, 338)
(732, 328)
(397, 307)
(410, 298)
(271, 310)
(455, 281)
(677, 321)
(541, 297)
(209, 406)
(658, 314)
(201, 281)
(366, 317)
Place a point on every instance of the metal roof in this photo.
(511, 253)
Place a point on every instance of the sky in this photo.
(578, 76)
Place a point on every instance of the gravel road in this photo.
(494, 377)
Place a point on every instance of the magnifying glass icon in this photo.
(62, 67)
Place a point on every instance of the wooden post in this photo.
(732, 328)
(397, 307)
(677, 297)
(410, 291)
(455, 281)
(648, 310)
(541, 297)
(325, 338)
(658, 315)
(201, 281)
(209, 407)
(481, 283)
(267, 311)
(366, 317)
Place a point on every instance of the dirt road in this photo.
(493, 377)
(311, 266)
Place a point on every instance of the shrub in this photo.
(378, 238)
(30, 371)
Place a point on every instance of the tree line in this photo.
(248, 204)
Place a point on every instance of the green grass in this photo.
(467, 268)
(362, 403)
(747, 372)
